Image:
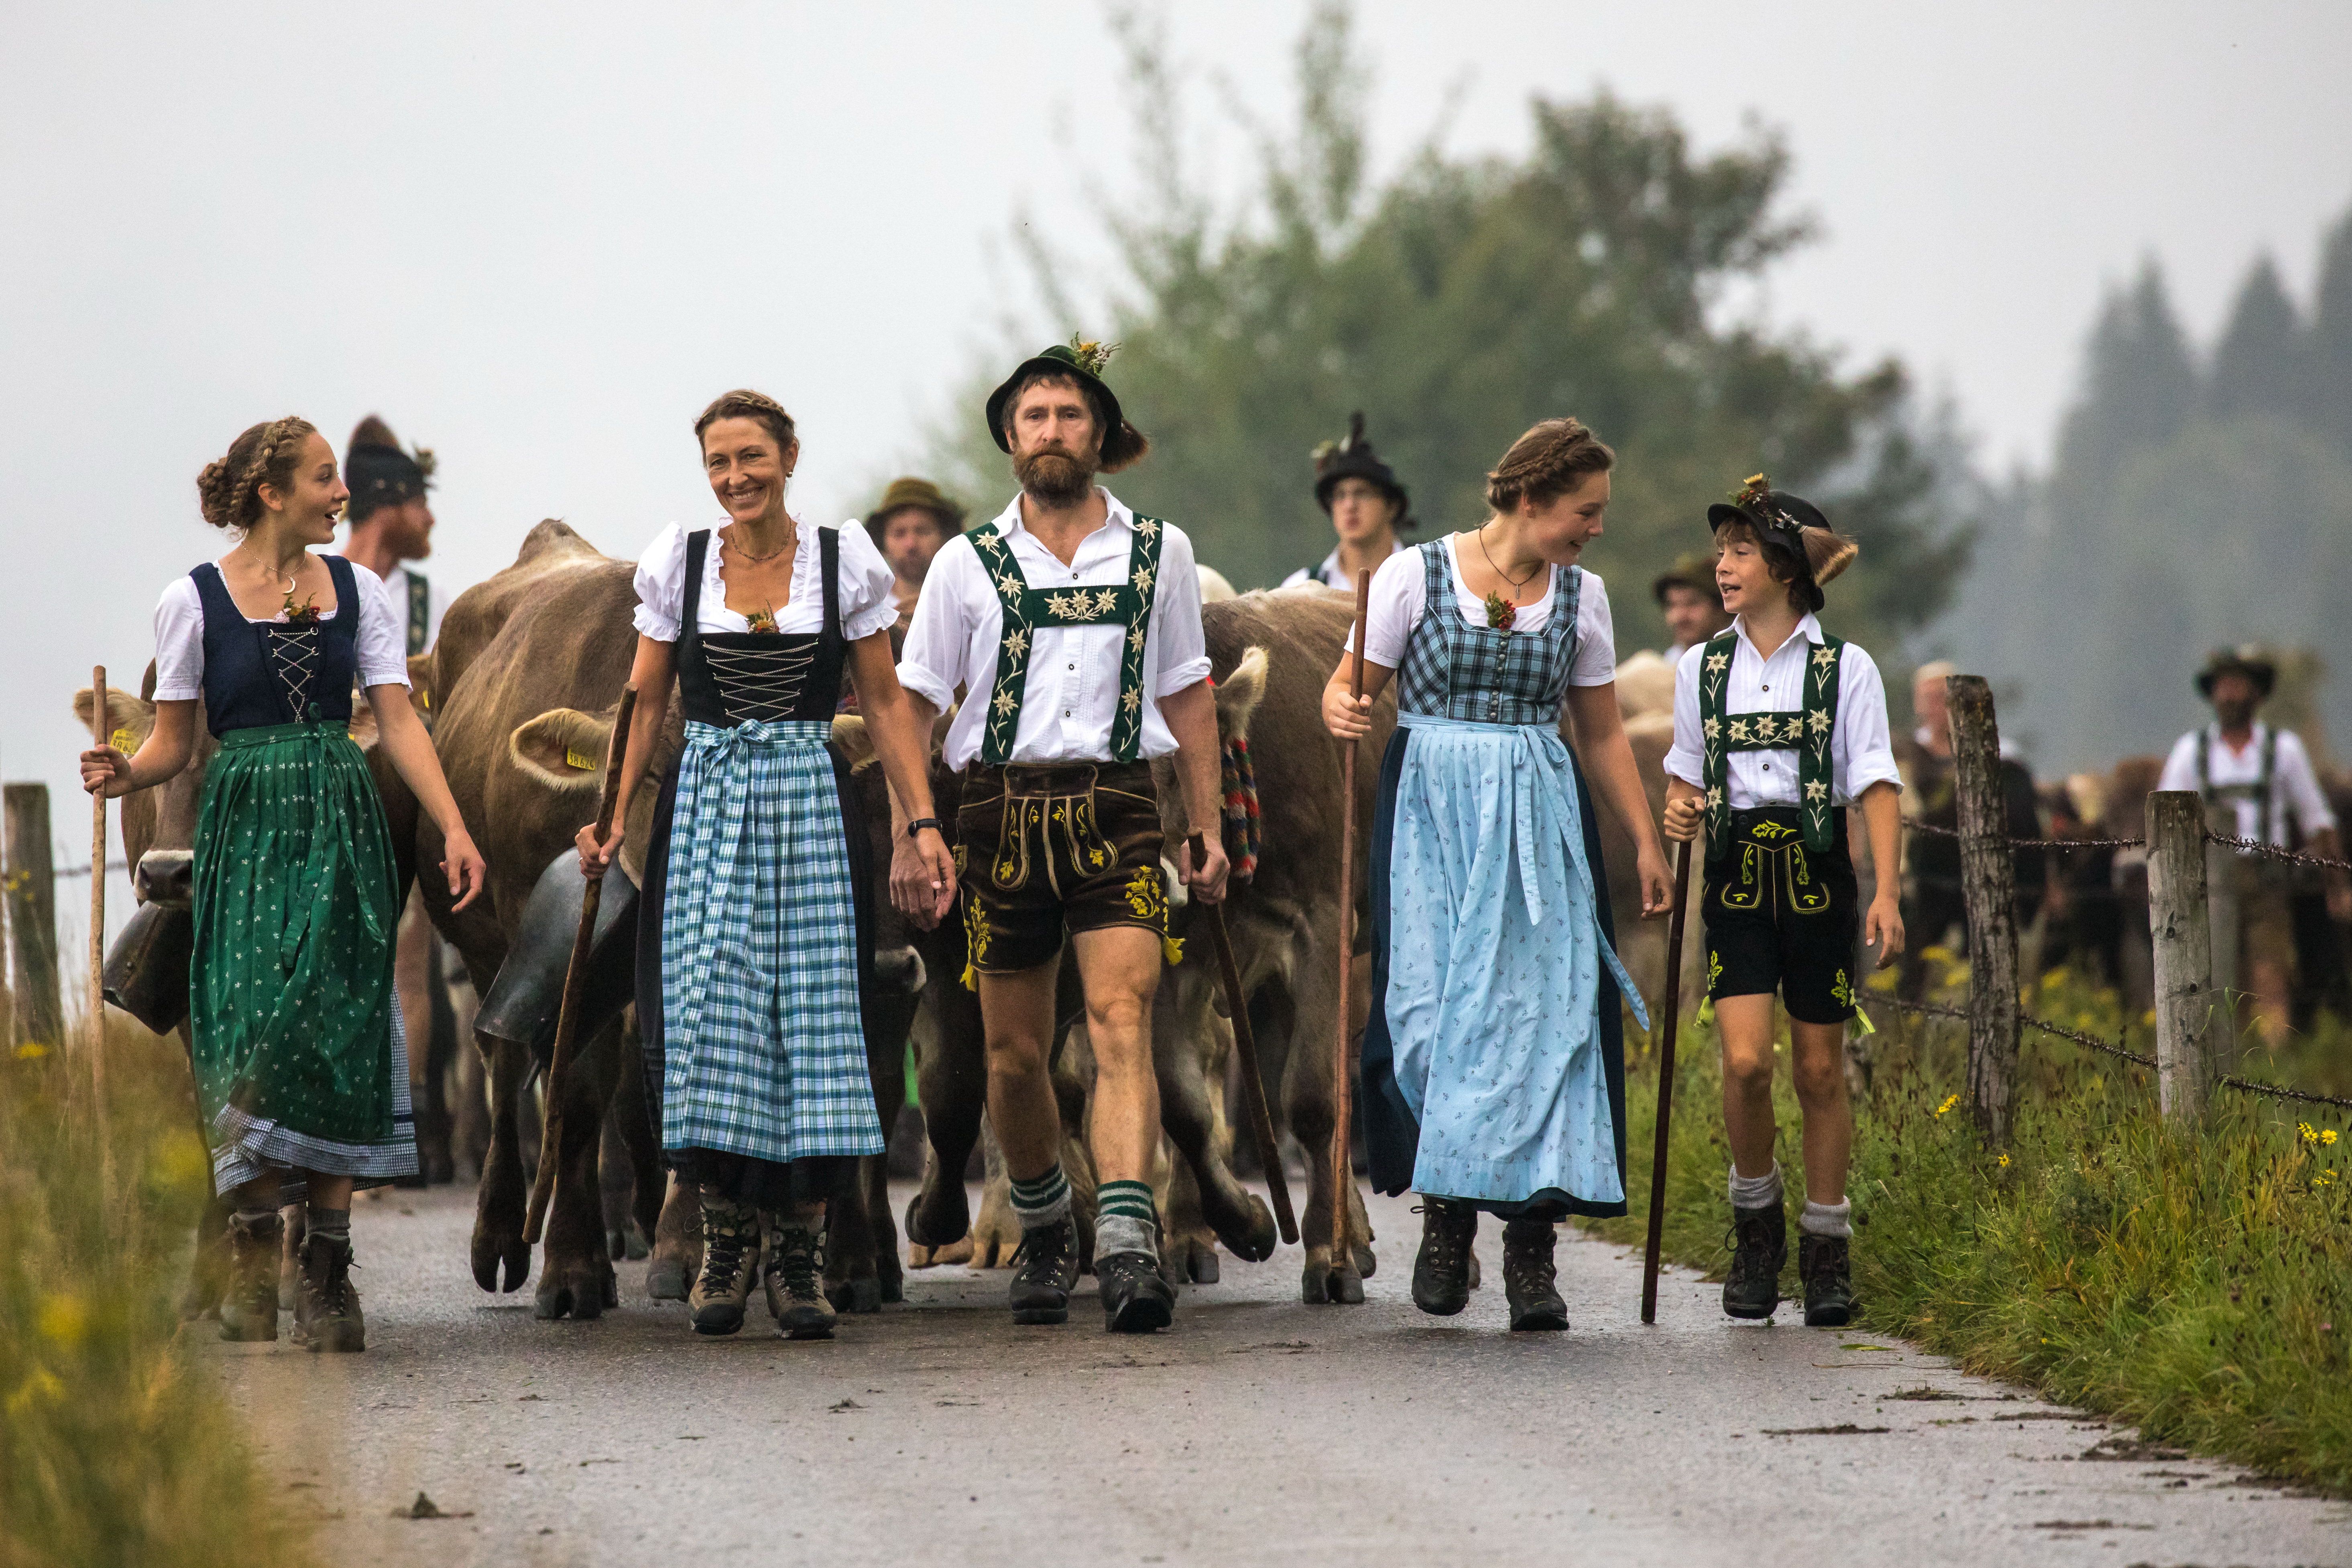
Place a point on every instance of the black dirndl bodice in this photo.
(731, 677)
(260, 673)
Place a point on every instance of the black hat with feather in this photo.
(1352, 458)
(379, 473)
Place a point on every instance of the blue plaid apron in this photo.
(760, 1045)
(1490, 1072)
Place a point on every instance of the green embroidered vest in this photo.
(1127, 605)
(1806, 732)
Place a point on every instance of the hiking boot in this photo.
(793, 1277)
(248, 1310)
(1047, 1261)
(1529, 1275)
(1759, 1247)
(326, 1304)
(1441, 1271)
(1826, 1265)
(1135, 1295)
(731, 1255)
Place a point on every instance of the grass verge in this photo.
(116, 1446)
(2195, 1283)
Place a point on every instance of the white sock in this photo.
(1826, 1219)
(1756, 1192)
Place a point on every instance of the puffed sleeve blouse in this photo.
(865, 587)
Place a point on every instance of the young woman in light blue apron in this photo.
(1494, 1062)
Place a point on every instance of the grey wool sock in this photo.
(1042, 1199)
(1756, 1192)
(1826, 1219)
(1125, 1219)
(329, 1222)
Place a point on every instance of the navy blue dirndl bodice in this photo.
(257, 674)
(1479, 674)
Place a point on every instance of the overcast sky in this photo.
(538, 239)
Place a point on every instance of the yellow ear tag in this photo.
(121, 741)
(581, 759)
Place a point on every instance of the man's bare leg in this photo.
(1119, 966)
(1017, 1022)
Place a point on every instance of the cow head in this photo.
(565, 749)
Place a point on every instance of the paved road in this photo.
(1258, 1431)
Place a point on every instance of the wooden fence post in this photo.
(1988, 889)
(32, 890)
(2189, 1010)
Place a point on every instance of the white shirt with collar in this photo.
(1860, 752)
(862, 587)
(1071, 697)
(2294, 788)
(1330, 574)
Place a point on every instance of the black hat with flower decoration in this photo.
(1352, 458)
(2249, 659)
(1081, 361)
(1779, 520)
(379, 473)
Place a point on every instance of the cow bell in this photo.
(146, 972)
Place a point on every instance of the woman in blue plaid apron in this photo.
(755, 949)
(1493, 1061)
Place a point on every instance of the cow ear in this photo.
(129, 720)
(1239, 694)
(563, 748)
(856, 742)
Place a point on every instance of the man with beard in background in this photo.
(913, 520)
(2259, 786)
(1932, 907)
(1073, 625)
(392, 526)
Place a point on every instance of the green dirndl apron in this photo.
(300, 1061)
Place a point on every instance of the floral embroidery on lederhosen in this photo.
(1126, 604)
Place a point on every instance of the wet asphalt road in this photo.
(1257, 1431)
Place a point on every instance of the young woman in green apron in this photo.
(301, 1062)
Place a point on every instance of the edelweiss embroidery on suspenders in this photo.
(1127, 604)
(1806, 732)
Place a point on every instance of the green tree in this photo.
(2330, 408)
(2259, 365)
(1457, 302)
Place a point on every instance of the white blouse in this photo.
(382, 650)
(1860, 752)
(1400, 598)
(865, 585)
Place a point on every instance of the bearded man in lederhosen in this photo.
(1074, 625)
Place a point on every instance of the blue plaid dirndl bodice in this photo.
(1478, 674)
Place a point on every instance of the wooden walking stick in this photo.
(1261, 1117)
(1665, 1082)
(97, 999)
(575, 980)
(1343, 1166)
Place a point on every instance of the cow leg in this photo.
(469, 1112)
(953, 1078)
(575, 1276)
(677, 1244)
(1307, 1084)
(615, 1190)
(1186, 1243)
(498, 1201)
(640, 1142)
(851, 1283)
(1194, 1120)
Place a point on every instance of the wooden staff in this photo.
(97, 999)
(575, 980)
(1261, 1117)
(1665, 1082)
(1343, 1166)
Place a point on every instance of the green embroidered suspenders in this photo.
(420, 612)
(1806, 732)
(1127, 604)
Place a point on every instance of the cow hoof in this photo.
(936, 1217)
(919, 1257)
(550, 1305)
(491, 1255)
(1256, 1244)
(894, 1290)
(627, 1242)
(1366, 1264)
(855, 1295)
(666, 1279)
(1197, 1259)
(1320, 1285)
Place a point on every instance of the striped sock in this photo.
(1125, 1219)
(1042, 1199)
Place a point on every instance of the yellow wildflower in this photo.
(2327, 1135)
(2303, 1130)
(64, 1318)
(1950, 1101)
(2003, 1162)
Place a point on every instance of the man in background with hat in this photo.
(1073, 625)
(2258, 784)
(913, 520)
(391, 524)
(1691, 603)
(1367, 505)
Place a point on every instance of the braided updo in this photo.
(229, 489)
(1552, 459)
(745, 404)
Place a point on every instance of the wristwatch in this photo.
(933, 823)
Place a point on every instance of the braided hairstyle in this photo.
(745, 403)
(229, 489)
(1550, 459)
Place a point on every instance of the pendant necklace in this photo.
(1501, 612)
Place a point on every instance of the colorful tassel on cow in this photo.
(1238, 780)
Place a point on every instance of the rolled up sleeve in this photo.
(1181, 649)
(1865, 750)
(1684, 761)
